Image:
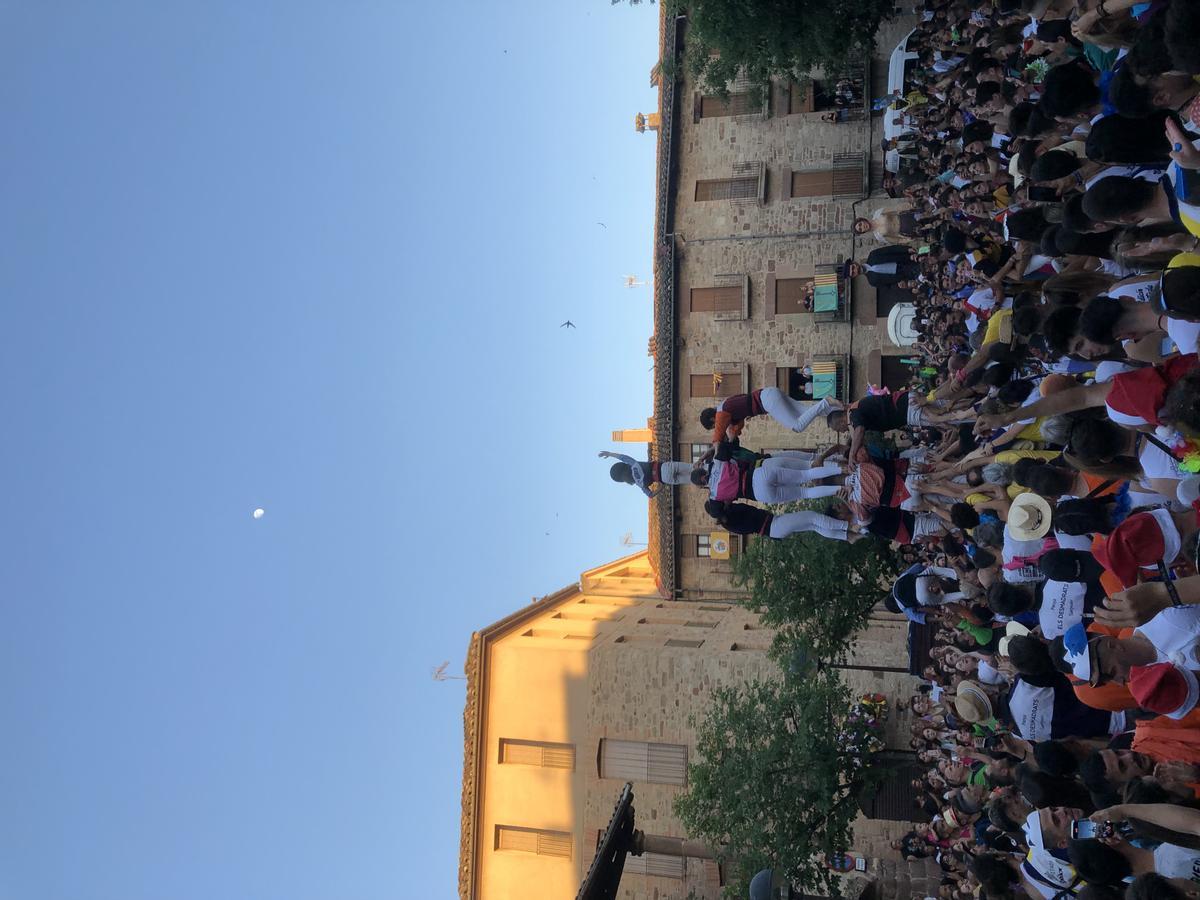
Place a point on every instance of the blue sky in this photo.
(311, 257)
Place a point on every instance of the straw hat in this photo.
(1029, 517)
(971, 703)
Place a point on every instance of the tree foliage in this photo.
(779, 767)
(761, 39)
(815, 592)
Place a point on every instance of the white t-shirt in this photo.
(1030, 572)
(1157, 463)
(1173, 861)
(1032, 710)
(1141, 290)
(1175, 632)
(989, 674)
(1050, 868)
(1062, 606)
(1184, 335)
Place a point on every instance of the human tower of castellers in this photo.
(1039, 478)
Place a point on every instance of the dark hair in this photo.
(715, 508)
(999, 816)
(1093, 773)
(1068, 90)
(1127, 96)
(621, 472)
(1152, 886)
(1043, 478)
(1119, 140)
(1149, 55)
(1096, 442)
(1049, 243)
(1098, 863)
(1056, 29)
(979, 130)
(1043, 790)
(708, 416)
(699, 478)
(1074, 218)
(832, 417)
(984, 558)
(1060, 327)
(1085, 243)
(994, 874)
(1181, 291)
(1181, 25)
(1182, 406)
(1084, 516)
(963, 515)
(1099, 318)
(1055, 759)
(1070, 565)
(1117, 195)
(1031, 657)
(1026, 320)
(1010, 600)
(1054, 164)
(998, 375)
(1015, 392)
(1027, 224)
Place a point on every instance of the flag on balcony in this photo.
(825, 292)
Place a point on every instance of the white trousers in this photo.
(804, 520)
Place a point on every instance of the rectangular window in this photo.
(656, 864)
(688, 623)
(695, 451)
(537, 753)
(703, 545)
(791, 295)
(740, 188)
(812, 184)
(555, 635)
(680, 642)
(643, 761)
(734, 105)
(716, 299)
(638, 639)
(800, 99)
(762, 648)
(715, 608)
(533, 840)
(718, 384)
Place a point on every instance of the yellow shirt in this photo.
(1011, 456)
(995, 323)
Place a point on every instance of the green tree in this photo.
(778, 771)
(761, 39)
(815, 592)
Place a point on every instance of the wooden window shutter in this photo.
(704, 385)
(533, 840)
(813, 184)
(656, 864)
(734, 105)
(800, 99)
(744, 188)
(716, 299)
(537, 753)
(789, 295)
(643, 761)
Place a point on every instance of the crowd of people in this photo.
(1039, 475)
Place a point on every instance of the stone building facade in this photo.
(754, 209)
(598, 684)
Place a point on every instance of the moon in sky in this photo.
(259, 513)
